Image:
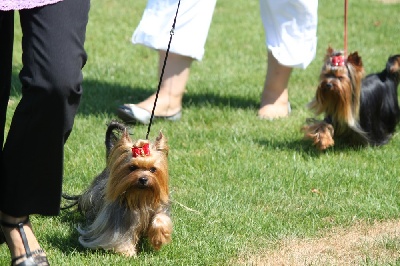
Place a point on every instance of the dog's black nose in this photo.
(143, 180)
(328, 86)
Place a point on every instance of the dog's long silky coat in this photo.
(129, 200)
(361, 110)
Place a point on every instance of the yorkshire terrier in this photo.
(362, 111)
(129, 200)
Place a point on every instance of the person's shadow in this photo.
(99, 97)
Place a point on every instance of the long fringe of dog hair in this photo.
(117, 228)
(116, 216)
(344, 108)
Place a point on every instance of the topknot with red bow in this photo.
(337, 59)
(142, 149)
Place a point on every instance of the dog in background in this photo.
(129, 200)
(359, 110)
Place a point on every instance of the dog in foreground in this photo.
(361, 110)
(129, 200)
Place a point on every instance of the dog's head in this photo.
(393, 67)
(138, 172)
(338, 93)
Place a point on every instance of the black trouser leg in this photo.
(51, 77)
(6, 48)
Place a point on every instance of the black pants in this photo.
(31, 159)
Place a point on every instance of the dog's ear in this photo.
(329, 53)
(113, 132)
(393, 65)
(161, 143)
(355, 60)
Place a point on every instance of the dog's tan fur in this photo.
(337, 96)
(129, 199)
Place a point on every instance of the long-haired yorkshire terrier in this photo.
(129, 200)
(359, 110)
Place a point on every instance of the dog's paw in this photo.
(321, 134)
(160, 231)
(127, 250)
(325, 141)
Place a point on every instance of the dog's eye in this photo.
(133, 168)
(153, 170)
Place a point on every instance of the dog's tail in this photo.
(73, 200)
(111, 137)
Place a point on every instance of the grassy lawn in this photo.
(241, 187)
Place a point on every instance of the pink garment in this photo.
(24, 4)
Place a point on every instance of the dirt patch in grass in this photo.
(358, 245)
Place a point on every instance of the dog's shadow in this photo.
(306, 148)
(68, 243)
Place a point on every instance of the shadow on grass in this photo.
(68, 243)
(103, 97)
(106, 97)
(306, 148)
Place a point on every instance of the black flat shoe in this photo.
(32, 258)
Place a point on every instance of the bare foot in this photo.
(167, 105)
(173, 85)
(274, 111)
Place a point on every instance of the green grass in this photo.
(248, 181)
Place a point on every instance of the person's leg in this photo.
(6, 48)
(51, 77)
(191, 30)
(173, 85)
(290, 33)
(275, 98)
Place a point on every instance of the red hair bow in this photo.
(337, 60)
(141, 151)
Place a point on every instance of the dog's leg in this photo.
(160, 230)
(128, 250)
(321, 133)
(325, 138)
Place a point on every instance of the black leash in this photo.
(75, 198)
(162, 71)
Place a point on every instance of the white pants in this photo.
(191, 29)
(291, 30)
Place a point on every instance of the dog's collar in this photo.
(141, 151)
